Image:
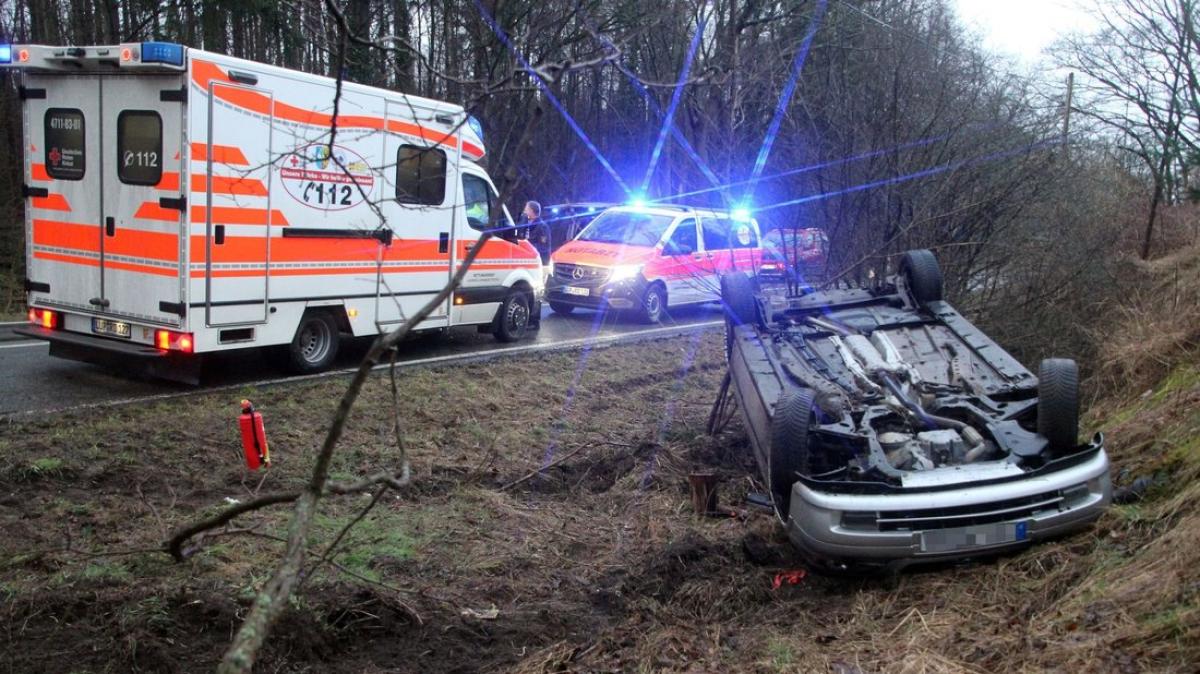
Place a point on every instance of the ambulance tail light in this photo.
(5, 53)
(162, 52)
(169, 340)
(51, 320)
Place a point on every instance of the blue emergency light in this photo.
(476, 126)
(5, 53)
(162, 52)
(741, 214)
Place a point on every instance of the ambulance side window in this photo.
(477, 199)
(64, 134)
(139, 147)
(683, 239)
(420, 175)
(741, 234)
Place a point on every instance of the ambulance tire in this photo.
(654, 303)
(315, 345)
(512, 319)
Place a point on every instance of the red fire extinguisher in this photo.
(254, 437)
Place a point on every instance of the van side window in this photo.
(683, 240)
(477, 197)
(64, 134)
(420, 175)
(139, 147)
(716, 236)
(741, 234)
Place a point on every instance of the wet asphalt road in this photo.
(32, 381)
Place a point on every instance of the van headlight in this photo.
(622, 272)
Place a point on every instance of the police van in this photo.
(180, 203)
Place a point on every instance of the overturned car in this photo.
(890, 430)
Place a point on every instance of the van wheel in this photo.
(315, 345)
(1058, 403)
(563, 309)
(654, 302)
(512, 320)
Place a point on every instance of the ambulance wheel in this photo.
(315, 345)
(654, 302)
(563, 309)
(512, 320)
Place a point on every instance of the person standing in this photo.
(536, 229)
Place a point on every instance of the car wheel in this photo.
(654, 302)
(1058, 403)
(512, 320)
(924, 276)
(737, 297)
(315, 344)
(789, 451)
(563, 309)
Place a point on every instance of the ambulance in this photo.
(181, 203)
(647, 259)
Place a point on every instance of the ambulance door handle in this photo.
(443, 242)
(218, 234)
(110, 226)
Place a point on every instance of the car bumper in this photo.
(931, 526)
(623, 294)
(118, 355)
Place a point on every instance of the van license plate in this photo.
(978, 536)
(103, 326)
(572, 290)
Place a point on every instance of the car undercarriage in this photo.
(884, 393)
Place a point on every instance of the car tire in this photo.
(789, 450)
(924, 275)
(563, 309)
(1058, 403)
(737, 297)
(654, 303)
(512, 318)
(315, 344)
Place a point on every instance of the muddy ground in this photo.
(598, 565)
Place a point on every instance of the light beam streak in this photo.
(668, 121)
(785, 97)
(487, 17)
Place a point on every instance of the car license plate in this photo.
(103, 326)
(572, 290)
(977, 536)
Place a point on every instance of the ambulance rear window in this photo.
(139, 147)
(64, 143)
(420, 175)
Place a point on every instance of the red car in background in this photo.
(789, 251)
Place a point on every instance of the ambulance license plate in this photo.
(978, 536)
(103, 326)
(572, 290)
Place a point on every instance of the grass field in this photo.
(597, 565)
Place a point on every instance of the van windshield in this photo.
(635, 229)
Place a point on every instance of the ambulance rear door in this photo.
(62, 170)
(145, 203)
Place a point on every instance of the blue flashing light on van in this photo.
(162, 52)
(5, 53)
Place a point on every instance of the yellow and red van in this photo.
(648, 259)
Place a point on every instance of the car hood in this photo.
(599, 254)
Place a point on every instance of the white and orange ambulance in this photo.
(647, 259)
(181, 202)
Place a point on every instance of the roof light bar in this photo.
(162, 52)
(5, 53)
